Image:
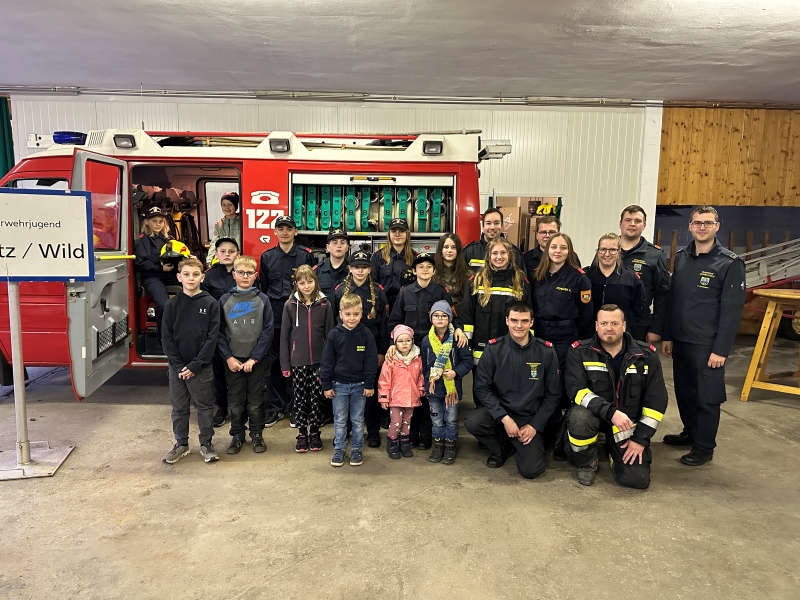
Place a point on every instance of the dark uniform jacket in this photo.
(413, 305)
(533, 257)
(147, 250)
(706, 298)
(648, 262)
(329, 277)
(392, 276)
(275, 275)
(218, 281)
(522, 382)
(482, 323)
(639, 392)
(623, 288)
(475, 254)
(564, 299)
(377, 325)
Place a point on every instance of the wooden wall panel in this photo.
(730, 157)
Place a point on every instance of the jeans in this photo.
(348, 401)
(445, 419)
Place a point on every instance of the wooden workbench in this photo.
(780, 300)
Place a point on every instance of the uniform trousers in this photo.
(583, 428)
(492, 434)
(699, 391)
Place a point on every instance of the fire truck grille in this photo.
(110, 336)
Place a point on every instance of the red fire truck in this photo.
(358, 182)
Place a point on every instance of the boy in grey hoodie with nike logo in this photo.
(245, 335)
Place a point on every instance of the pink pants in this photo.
(399, 420)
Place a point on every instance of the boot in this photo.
(449, 452)
(438, 451)
(405, 447)
(393, 448)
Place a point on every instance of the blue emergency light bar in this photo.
(69, 137)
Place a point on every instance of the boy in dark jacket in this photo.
(349, 359)
(218, 282)
(191, 325)
(444, 365)
(245, 335)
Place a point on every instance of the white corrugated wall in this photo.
(599, 160)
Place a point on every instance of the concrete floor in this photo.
(117, 523)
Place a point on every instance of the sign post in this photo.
(44, 236)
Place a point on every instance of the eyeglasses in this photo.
(607, 250)
(699, 224)
(245, 273)
(439, 316)
(546, 233)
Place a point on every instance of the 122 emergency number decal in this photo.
(263, 218)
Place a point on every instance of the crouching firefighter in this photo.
(617, 387)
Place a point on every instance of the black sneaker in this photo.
(259, 445)
(680, 439)
(424, 442)
(315, 441)
(302, 444)
(272, 418)
(374, 440)
(219, 417)
(235, 445)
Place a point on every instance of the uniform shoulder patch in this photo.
(586, 296)
(315, 267)
(653, 348)
(548, 344)
(575, 344)
(492, 341)
(581, 271)
(656, 246)
(337, 287)
(637, 275)
(306, 248)
(380, 286)
(471, 277)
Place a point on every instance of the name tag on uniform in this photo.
(360, 348)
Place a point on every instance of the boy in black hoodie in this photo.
(349, 360)
(191, 325)
(245, 335)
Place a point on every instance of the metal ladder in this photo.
(779, 262)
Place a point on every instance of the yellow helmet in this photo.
(174, 252)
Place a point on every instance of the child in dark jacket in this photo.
(191, 325)
(444, 366)
(307, 319)
(400, 387)
(349, 363)
(245, 335)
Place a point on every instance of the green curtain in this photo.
(6, 143)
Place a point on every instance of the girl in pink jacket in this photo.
(399, 389)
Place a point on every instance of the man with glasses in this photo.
(705, 306)
(647, 261)
(276, 269)
(546, 227)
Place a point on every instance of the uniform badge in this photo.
(704, 281)
(637, 267)
(534, 370)
(586, 296)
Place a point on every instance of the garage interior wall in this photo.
(730, 157)
(598, 159)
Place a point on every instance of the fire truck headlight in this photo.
(124, 140)
(279, 145)
(432, 148)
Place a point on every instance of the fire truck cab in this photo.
(356, 182)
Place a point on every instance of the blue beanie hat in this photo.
(443, 306)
